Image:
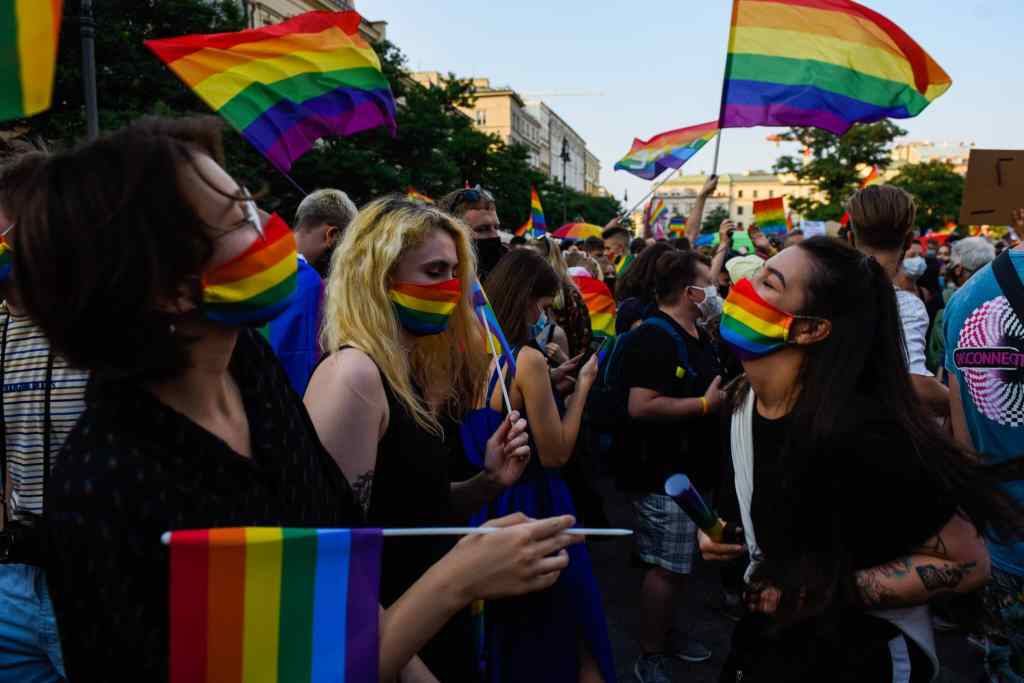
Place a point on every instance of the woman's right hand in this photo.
(718, 552)
(714, 395)
(588, 374)
(525, 556)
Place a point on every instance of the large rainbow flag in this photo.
(770, 215)
(288, 85)
(29, 32)
(271, 604)
(535, 225)
(600, 304)
(822, 63)
(489, 321)
(648, 158)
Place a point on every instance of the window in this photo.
(755, 194)
(740, 194)
(739, 210)
(771, 193)
(481, 116)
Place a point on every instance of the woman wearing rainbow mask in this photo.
(856, 510)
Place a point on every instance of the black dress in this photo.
(412, 488)
(134, 468)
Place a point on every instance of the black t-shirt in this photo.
(134, 468)
(655, 449)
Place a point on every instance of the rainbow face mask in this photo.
(257, 285)
(425, 309)
(751, 326)
(6, 255)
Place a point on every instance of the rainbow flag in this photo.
(271, 604)
(648, 158)
(770, 215)
(489, 321)
(29, 32)
(600, 304)
(677, 226)
(283, 87)
(874, 177)
(623, 263)
(417, 196)
(535, 225)
(822, 63)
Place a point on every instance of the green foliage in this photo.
(436, 149)
(713, 219)
(834, 162)
(938, 189)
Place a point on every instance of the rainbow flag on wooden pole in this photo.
(271, 604)
(283, 87)
(29, 33)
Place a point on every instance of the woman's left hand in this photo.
(508, 451)
(765, 600)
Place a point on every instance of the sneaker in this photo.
(652, 669)
(690, 650)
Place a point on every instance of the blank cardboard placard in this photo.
(995, 187)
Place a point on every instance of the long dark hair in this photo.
(861, 364)
(638, 280)
(520, 277)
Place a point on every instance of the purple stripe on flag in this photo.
(287, 130)
(363, 618)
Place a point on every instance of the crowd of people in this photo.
(175, 358)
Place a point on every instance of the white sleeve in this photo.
(914, 317)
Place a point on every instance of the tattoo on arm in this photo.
(871, 582)
(361, 489)
(938, 578)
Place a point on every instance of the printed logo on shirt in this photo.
(18, 387)
(990, 356)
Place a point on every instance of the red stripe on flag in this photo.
(188, 606)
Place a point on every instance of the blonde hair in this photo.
(552, 253)
(358, 312)
(583, 260)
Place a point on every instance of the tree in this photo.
(834, 162)
(713, 220)
(938, 189)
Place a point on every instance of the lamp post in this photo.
(565, 160)
(88, 34)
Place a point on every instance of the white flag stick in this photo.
(497, 364)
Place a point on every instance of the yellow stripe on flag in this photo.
(37, 44)
(261, 631)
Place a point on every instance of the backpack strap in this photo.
(681, 353)
(1009, 282)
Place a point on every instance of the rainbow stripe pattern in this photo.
(417, 196)
(274, 604)
(283, 87)
(425, 309)
(749, 325)
(822, 63)
(600, 305)
(649, 158)
(489, 322)
(578, 231)
(535, 225)
(770, 215)
(258, 284)
(6, 260)
(677, 226)
(29, 32)
(623, 263)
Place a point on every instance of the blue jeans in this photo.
(29, 645)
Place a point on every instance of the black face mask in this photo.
(488, 252)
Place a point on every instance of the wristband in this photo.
(705, 406)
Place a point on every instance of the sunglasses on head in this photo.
(472, 195)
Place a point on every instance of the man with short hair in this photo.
(616, 245)
(42, 400)
(477, 208)
(320, 221)
(966, 257)
(882, 222)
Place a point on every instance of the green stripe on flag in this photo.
(298, 579)
(12, 105)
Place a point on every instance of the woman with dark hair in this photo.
(568, 308)
(559, 635)
(145, 262)
(634, 291)
(856, 509)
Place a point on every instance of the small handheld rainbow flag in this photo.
(770, 215)
(535, 225)
(677, 226)
(623, 264)
(600, 305)
(489, 321)
(648, 158)
(822, 63)
(272, 604)
(283, 87)
(29, 31)
(417, 196)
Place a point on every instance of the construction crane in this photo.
(564, 93)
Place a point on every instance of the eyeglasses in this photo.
(472, 195)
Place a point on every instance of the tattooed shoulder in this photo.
(946, 577)
(361, 489)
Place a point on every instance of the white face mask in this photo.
(711, 307)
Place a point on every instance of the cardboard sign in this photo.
(812, 228)
(995, 187)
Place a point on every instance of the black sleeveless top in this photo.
(412, 488)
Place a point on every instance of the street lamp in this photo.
(564, 156)
(88, 34)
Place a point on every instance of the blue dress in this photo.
(535, 638)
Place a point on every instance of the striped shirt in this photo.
(26, 372)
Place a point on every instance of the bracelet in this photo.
(705, 406)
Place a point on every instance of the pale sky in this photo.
(656, 65)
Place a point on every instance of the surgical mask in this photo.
(253, 288)
(424, 310)
(539, 326)
(712, 304)
(751, 326)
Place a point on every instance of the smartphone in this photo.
(598, 347)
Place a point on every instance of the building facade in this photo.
(263, 12)
(558, 137)
(592, 174)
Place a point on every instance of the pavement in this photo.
(620, 585)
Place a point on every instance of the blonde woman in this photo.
(399, 322)
(568, 309)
